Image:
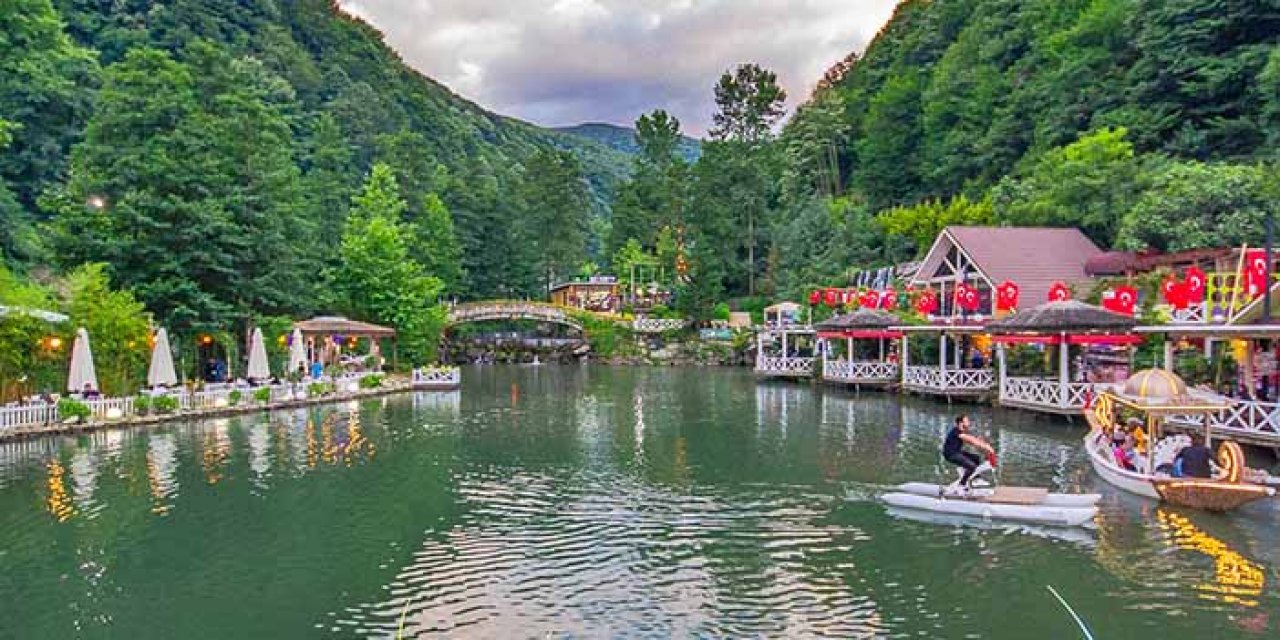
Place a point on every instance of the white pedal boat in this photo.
(1017, 504)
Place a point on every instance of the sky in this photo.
(565, 62)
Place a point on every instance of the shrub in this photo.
(235, 397)
(720, 311)
(142, 405)
(69, 409)
(371, 381)
(317, 389)
(165, 404)
(262, 395)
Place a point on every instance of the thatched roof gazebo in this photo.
(1061, 323)
(1070, 316)
(862, 319)
(862, 324)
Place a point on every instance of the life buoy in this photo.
(1231, 461)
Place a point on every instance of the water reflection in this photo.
(162, 467)
(58, 501)
(1236, 579)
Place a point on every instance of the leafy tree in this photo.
(559, 210)
(1188, 205)
(436, 244)
(377, 279)
(748, 104)
(922, 223)
(193, 192)
(655, 196)
(46, 90)
(118, 326)
(1087, 184)
(888, 162)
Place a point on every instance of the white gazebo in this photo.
(785, 345)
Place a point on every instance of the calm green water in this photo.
(593, 502)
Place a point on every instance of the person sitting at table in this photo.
(90, 393)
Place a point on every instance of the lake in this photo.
(587, 501)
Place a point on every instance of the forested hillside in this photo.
(1147, 123)
(209, 151)
(624, 139)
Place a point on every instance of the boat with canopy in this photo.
(1161, 409)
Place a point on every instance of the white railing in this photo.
(27, 414)
(437, 377)
(1044, 392)
(1260, 420)
(657, 325)
(33, 414)
(859, 371)
(1193, 314)
(784, 366)
(935, 380)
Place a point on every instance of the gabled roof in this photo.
(338, 325)
(1033, 257)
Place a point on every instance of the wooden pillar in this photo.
(848, 349)
(881, 349)
(784, 344)
(1064, 370)
(942, 352)
(1168, 355)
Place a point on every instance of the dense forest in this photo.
(237, 163)
(219, 144)
(624, 139)
(1147, 123)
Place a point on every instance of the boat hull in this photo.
(1130, 481)
(1036, 514)
(1069, 500)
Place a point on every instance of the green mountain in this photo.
(623, 139)
(287, 103)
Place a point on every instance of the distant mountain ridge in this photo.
(624, 138)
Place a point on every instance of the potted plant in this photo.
(73, 411)
(142, 405)
(165, 404)
(234, 397)
(262, 395)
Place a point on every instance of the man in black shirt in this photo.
(1196, 459)
(953, 449)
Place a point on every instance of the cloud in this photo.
(559, 62)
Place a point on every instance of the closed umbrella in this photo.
(258, 368)
(82, 373)
(161, 373)
(297, 353)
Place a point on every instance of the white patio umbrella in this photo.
(258, 368)
(161, 372)
(82, 372)
(297, 352)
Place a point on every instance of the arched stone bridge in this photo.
(510, 310)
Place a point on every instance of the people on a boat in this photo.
(1195, 460)
(953, 449)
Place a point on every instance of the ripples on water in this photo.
(594, 503)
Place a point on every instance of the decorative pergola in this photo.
(868, 327)
(1060, 324)
(320, 330)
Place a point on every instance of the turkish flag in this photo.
(1123, 300)
(1059, 292)
(1196, 285)
(927, 303)
(1256, 272)
(831, 297)
(815, 297)
(1174, 292)
(1007, 296)
(966, 297)
(871, 299)
(888, 299)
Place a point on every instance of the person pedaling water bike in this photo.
(953, 450)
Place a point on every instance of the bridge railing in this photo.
(509, 310)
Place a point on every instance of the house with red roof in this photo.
(1033, 258)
